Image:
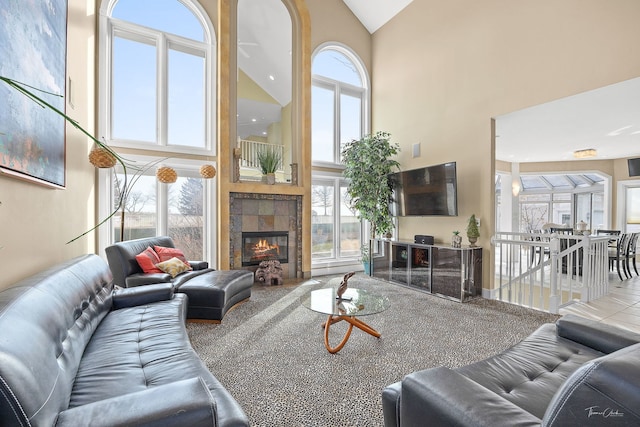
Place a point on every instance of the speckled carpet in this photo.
(269, 351)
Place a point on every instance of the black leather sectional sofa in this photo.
(75, 353)
(211, 292)
(576, 372)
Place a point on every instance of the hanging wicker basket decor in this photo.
(100, 157)
(166, 175)
(207, 171)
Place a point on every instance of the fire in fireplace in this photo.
(263, 245)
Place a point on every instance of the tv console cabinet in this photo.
(454, 273)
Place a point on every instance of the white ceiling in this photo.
(606, 119)
(375, 13)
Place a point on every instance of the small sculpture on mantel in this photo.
(343, 285)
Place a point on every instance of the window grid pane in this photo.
(186, 96)
(323, 130)
(322, 227)
(185, 223)
(134, 91)
(350, 227)
(169, 16)
(337, 66)
(140, 207)
(350, 119)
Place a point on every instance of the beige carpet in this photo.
(269, 351)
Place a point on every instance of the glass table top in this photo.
(355, 302)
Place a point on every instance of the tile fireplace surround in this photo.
(266, 212)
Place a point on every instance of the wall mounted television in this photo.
(634, 167)
(428, 191)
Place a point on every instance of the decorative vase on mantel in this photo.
(456, 240)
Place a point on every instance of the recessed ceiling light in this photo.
(271, 77)
(586, 153)
(254, 120)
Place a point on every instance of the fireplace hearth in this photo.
(260, 246)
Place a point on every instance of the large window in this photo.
(182, 210)
(340, 99)
(339, 102)
(336, 232)
(157, 92)
(156, 76)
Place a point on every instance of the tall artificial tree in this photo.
(367, 165)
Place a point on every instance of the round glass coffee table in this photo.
(354, 303)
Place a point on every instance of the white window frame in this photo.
(336, 264)
(105, 204)
(338, 88)
(622, 202)
(109, 27)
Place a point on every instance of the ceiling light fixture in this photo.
(586, 153)
(271, 77)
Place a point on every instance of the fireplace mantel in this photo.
(260, 188)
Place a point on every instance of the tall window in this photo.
(157, 92)
(156, 77)
(632, 214)
(339, 102)
(181, 210)
(340, 111)
(336, 233)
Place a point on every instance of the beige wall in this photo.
(464, 62)
(36, 221)
(333, 21)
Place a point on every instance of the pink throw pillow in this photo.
(165, 254)
(147, 261)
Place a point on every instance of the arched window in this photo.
(157, 92)
(340, 101)
(340, 113)
(157, 89)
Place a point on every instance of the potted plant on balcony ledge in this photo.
(269, 159)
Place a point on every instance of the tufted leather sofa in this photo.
(211, 292)
(75, 353)
(575, 372)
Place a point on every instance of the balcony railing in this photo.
(550, 271)
(250, 150)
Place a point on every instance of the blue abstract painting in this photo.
(33, 41)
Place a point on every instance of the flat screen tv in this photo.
(634, 167)
(427, 191)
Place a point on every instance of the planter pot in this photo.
(269, 178)
(472, 241)
(456, 241)
(367, 268)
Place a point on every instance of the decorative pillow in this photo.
(147, 260)
(166, 254)
(174, 266)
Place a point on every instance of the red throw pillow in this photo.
(165, 254)
(147, 261)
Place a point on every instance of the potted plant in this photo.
(472, 231)
(367, 165)
(456, 240)
(365, 257)
(269, 159)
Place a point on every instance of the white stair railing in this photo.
(549, 271)
(249, 153)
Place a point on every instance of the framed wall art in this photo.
(33, 41)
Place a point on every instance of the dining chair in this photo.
(630, 255)
(617, 254)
